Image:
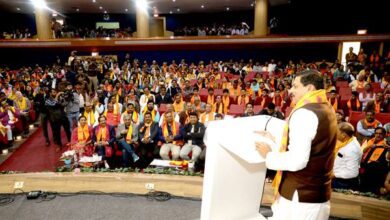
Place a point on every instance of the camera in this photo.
(68, 95)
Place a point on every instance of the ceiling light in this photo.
(94, 1)
(202, 6)
(252, 5)
(227, 9)
(105, 12)
(18, 9)
(54, 14)
(361, 32)
(170, 12)
(142, 5)
(174, 0)
(178, 9)
(77, 9)
(39, 3)
(155, 15)
(100, 7)
(126, 9)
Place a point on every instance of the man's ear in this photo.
(311, 87)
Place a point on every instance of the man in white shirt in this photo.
(348, 157)
(306, 156)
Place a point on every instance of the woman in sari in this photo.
(82, 138)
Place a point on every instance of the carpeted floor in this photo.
(33, 155)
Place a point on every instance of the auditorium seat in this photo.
(236, 110)
(340, 84)
(355, 117)
(218, 92)
(257, 108)
(345, 91)
(203, 93)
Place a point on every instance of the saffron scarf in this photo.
(335, 103)
(210, 99)
(210, 117)
(83, 134)
(102, 134)
(349, 104)
(340, 145)
(129, 133)
(318, 96)
(90, 116)
(153, 112)
(22, 104)
(173, 129)
(243, 100)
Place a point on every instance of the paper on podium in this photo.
(234, 171)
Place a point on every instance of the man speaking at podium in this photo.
(304, 162)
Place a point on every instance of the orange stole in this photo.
(334, 102)
(178, 107)
(226, 103)
(211, 99)
(102, 134)
(83, 134)
(204, 115)
(219, 108)
(243, 100)
(356, 104)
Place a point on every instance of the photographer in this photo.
(57, 117)
(70, 99)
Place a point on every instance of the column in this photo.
(43, 23)
(142, 18)
(261, 18)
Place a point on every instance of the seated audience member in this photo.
(171, 136)
(218, 117)
(150, 107)
(277, 99)
(103, 138)
(243, 99)
(148, 131)
(163, 97)
(226, 100)
(127, 137)
(366, 127)
(334, 100)
(249, 111)
(374, 166)
(8, 117)
(340, 116)
(81, 140)
(178, 105)
(193, 137)
(3, 137)
(130, 110)
(113, 118)
(210, 97)
(353, 103)
(199, 105)
(264, 99)
(347, 159)
(380, 104)
(146, 97)
(117, 106)
(90, 114)
(22, 104)
(359, 83)
(98, 106)
(219, 107)
(271, 111)
(207, 116)
(366, 96)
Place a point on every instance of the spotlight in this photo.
(142, 5)
(227, 9)
(362, 32)
(39, 3)
(202, 6)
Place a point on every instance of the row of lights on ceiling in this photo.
(155, 11)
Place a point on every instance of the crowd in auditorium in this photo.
(213, 30)
(134, 111)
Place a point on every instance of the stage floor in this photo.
(342, 206)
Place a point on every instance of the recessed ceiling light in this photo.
(178, 9)
(126, 9)
(77, 9)
(155, 15)
(18, 9)
(100, 7)
(170, 12)
(202, 6)
(174, 0)
(54, 14)
(227, 9)
(105, 12)
(252, 5)
(94, 1)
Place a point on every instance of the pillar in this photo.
(261, 18)
(142, 18)
(43, 23)
(340, 52)
(381, 46)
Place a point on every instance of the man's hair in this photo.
(312, 77)
(148, 113)
(193, 114)
(210, 89)
(225, 90)
(347, 128)
(271, 106)
(382, 129)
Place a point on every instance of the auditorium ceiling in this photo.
(128, 6)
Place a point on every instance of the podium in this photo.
(235, 172)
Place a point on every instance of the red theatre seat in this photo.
(236, 110)
(218, 92)
(257, 108)
(340, 84)
(203, 93)
(355, 117)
